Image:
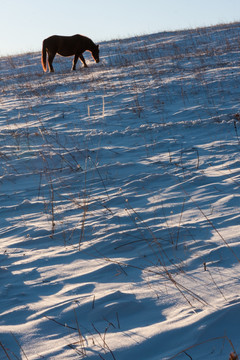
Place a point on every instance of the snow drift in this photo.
(120, 201)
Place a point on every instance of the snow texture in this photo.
(119, 201)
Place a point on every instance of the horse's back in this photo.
(67, 39)
(66, 45)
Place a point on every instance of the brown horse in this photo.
(68, 46)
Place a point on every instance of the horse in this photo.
(68, 46)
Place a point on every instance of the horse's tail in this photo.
(44, 64)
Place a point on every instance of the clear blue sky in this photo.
(25, 23)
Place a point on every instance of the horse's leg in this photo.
(50, 60)
(83, 60)
(74, 62)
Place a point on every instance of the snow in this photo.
(120, 201)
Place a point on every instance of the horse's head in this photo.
(95, 53)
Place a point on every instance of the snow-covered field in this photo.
(119, 201)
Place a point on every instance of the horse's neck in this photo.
(90, 45)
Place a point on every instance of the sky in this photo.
(25, 23)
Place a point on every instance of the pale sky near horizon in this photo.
(25, 23)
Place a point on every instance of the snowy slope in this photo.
(119, 201)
